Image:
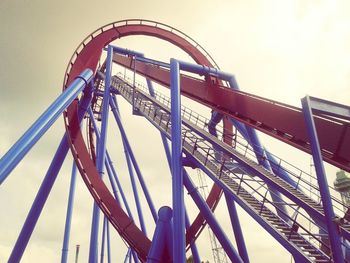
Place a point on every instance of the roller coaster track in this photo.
(238, 105)
(159, 115)
(260, 113)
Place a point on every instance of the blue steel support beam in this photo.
(209, 217)
(176, 165)
(103, 239)
(39, 202)
(134, 189)
(132, 156)
(334, 237)
(110, 169)
(127, 255)
(45, 187)
(271, 159)
(260, 154)
(101, 154)
(69, 213)
(297, 254)
(109, 256)
(194, 250)
(157, 252)
(16, 153)
(242, 249)
(125, 51)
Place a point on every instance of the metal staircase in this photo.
(198, 145)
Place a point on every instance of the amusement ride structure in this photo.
(299, 210)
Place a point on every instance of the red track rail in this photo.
(282, 121)
(87, 55)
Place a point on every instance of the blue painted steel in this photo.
(45, 187)
(109, 256)
(135, 192)
(271, 159)
(157, 252)
(107, 161)
(101, 154)
(110, 169)
(134, 256)
(152, 61)
(202, 70)
(322, 182)
(261, 157)
(190, 67)
(16, 153)
(39, 202)
(127, 255)
(176, 164)
(133, 159)
(125, 51)
(103, 239)
(194, 250)
(273, 232)
(242, 249)
(195, 254)
(209, 217)
(67, 226)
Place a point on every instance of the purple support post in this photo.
(103, 239)
(132, 157)
(127, 256)
(45, 188)
(16, 153)
(260, 156)
(194, 249)
(176, 165)
(39, 202)
(101, 154)
(109, 256)
(69, 213)
(158, 251)
(322, 182)
(242, 249)
(134, 189)
(209, 217)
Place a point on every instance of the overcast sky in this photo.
(277, 49)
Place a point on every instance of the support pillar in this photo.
(334, 237)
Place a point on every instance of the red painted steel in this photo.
(87, 56)
(282, 121)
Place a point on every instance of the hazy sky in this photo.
(277, 49)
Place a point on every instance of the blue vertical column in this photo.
(194, 249)
(101, 153)
(176, 165)
(109, 256)
(322, 181)
(242, 249)
(157, 252)
(103, 239)
(67, 226)
(209, 217)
